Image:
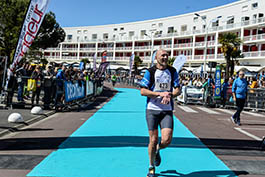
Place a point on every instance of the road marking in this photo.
(248, 134)
(226, 111)
(187, 109)
(210, 111)
(251, 128)
(253, 114)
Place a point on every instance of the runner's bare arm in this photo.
(151, 94)
(176, 92)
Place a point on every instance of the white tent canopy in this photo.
(250, 68)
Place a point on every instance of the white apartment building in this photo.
(182, 34)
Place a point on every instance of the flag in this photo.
(131, 64)
(153, 58)
(95, 62)
(104, 56)
(81, 66)
(179, 62)
(29, 30)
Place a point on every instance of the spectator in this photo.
(20, 73)
(224, 92)
(239, 90)
(38, 77)
(60, 78)
(47, 87)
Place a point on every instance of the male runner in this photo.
(160, 84)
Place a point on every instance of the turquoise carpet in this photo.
(113, 143)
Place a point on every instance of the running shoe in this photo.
(233, 119)
(151, 172)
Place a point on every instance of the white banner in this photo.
(179, 62)
(29, 30)
(95, 62)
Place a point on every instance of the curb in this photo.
(26, 123)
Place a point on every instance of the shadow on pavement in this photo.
(174, 173)
(119, 141)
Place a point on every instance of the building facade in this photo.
(195, 36)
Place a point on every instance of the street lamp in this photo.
(152, 48)
(206, 37)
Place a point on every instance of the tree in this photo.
(230, 48)
(49, 29)
(171, 61)
(12, 14)
(137, 63)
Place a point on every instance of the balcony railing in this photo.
(105, 48)
(123, 48)
(184, 45)
(202, 44)
(142, 47)
(254, 54)
(254, 37)
(87, 49)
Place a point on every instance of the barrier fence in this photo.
(205, 96)
(58, 94)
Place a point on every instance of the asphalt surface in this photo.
(238, 147)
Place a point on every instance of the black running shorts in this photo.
(158, 117)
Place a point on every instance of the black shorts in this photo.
(157, 117)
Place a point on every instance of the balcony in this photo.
(184, 45)
(87, 49)
(257, 54)
(142, 47)
(105, 48)
(202, 44)
(123, 48)
(254, 37)
(201, 57)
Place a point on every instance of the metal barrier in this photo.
(60, 96)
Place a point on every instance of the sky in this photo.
(73, 13)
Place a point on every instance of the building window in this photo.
(160, 25)
(194, 28)
(115, 29)
(244, 8)
(143, 32)
(215, 24)
(78, 31)
(105, 36)
(77, 38)
(170, 29)
(85, 38)
(131, 33)
(195, 19)
(94, 36)
(85, 31)
(255, 5)
(230, 20)
(69, 37)
(153, 25)
(204, 17)
(203, 26)
(121, 29)
(183, 28)
(243, 19)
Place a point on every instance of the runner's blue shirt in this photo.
(162, 83)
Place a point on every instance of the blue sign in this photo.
(73, 91)
(217, 90)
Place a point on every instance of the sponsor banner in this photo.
(89, 88)
(102, 68)
(73, 91)
(95, 62)
(179, 62)
(131, 64)
(29, 30)
(217, 89)
(153, 58)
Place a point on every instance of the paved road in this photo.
(237, 147)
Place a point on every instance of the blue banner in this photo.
(217, 90)
(82, 66)
(73, 91)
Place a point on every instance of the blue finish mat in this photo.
(113, 143)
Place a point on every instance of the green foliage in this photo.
(50, 33)
(171, 61)
(137, 62)
(85, 61)
(230, 48)
(12, 13)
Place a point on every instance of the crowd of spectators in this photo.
(48, 79)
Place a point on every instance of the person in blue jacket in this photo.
(239, 91)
